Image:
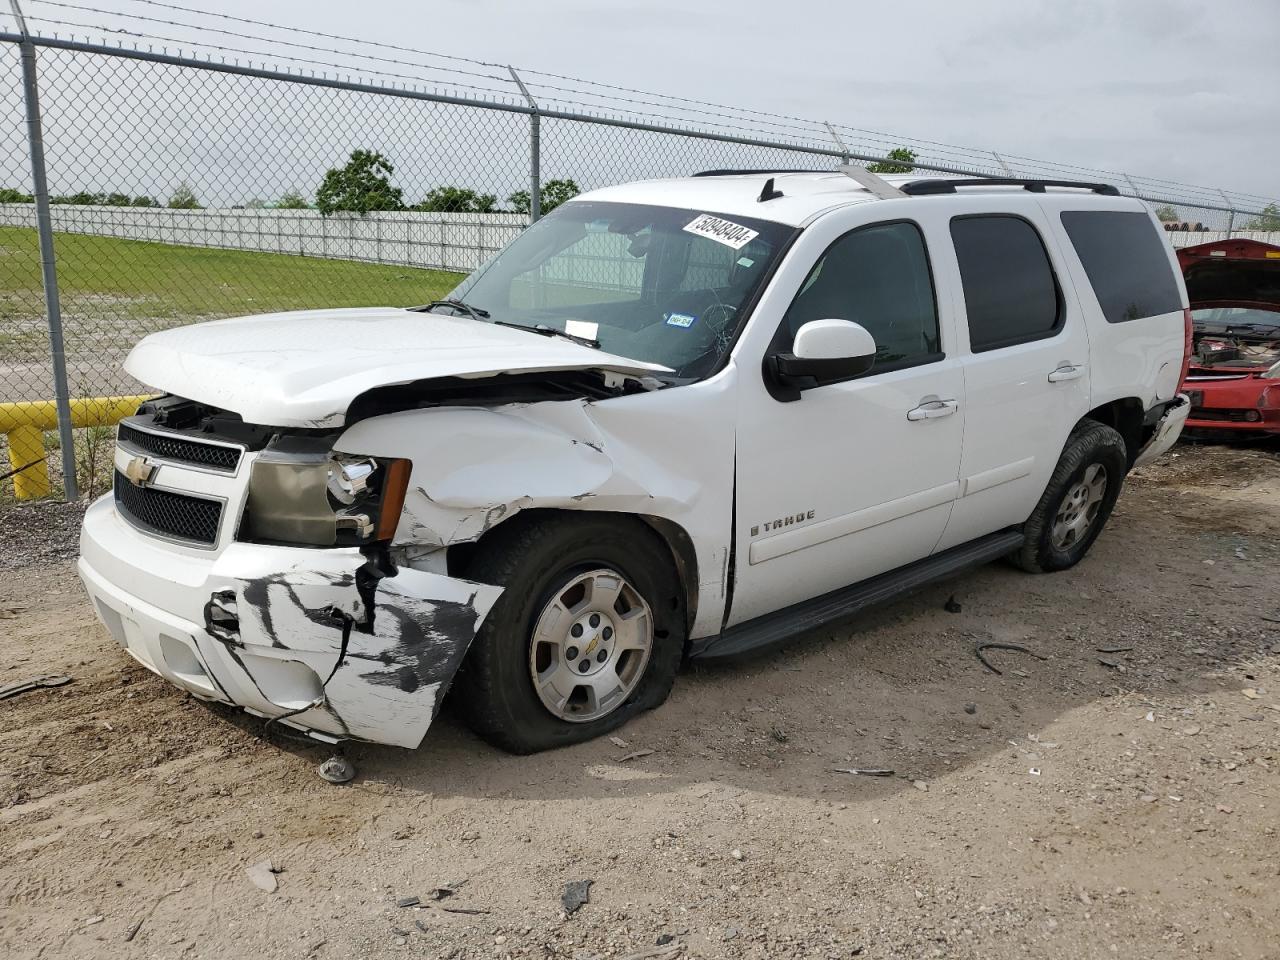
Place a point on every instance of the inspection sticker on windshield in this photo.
(684, 320)
(582, 328)
(731, 234)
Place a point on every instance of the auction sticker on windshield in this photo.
(731, 234)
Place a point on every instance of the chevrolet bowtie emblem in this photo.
(139, 471)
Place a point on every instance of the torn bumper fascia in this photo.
(285, 632)
(1168, 429)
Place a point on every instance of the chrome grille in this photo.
(169, 447)
(177, 516)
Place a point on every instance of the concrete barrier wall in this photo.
(1189, 238)
(442, 241)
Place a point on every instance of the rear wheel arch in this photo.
(1126, 417)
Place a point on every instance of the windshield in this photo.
(1236, 336)
(656, 284)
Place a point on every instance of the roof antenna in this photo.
(768, 193)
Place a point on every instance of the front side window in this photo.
(1127, 263)
(1010, 294)
(659, 284)
(877, 276)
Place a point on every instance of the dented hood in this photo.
(303, 369)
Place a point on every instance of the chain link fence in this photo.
(185, 186)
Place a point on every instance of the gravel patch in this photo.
(35, 534)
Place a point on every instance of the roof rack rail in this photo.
(743, 173)
(920, 188)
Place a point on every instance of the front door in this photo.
(857, 477)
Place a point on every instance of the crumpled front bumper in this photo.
(285, 632)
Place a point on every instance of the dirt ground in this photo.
(1117, 798)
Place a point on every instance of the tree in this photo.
(364, 184)
(1269, 221)
(552, 194)
(82, 198)
(292, 200)
(255, 203)
(456, 200)
(10, 195)
(1166, 214)
(144, 201)
(183, 198)
(905, 160)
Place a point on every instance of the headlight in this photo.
(1273, 372)
(305, 495)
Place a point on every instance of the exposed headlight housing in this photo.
(300, 493)
(1273, 372)
(349, 477)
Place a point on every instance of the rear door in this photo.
(1025, 361)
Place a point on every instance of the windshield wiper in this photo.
(475, 313)
(549, 331)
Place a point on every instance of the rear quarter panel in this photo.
(1137, 358)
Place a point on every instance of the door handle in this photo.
(932, 409)
(1066, 371)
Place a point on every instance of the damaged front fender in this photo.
(641, 455)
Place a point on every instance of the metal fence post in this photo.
(535, 150)
(844, 151)
(48, 265)
(1231, 212)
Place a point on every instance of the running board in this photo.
(773, 629)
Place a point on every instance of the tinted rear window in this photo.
(1126, 261)
(1010, 294)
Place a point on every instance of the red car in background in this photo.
(1234, 377)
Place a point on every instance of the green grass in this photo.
(113, 280)
(115, 292)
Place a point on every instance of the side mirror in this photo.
(825, 351)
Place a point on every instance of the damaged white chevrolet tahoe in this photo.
(674, 419)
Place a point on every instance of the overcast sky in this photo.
(1174, 89)
(1179, 89)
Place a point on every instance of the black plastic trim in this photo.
(752, 173)
(924, 188)
(772, 630)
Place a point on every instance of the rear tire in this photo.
(1077, 502)
(514, 688)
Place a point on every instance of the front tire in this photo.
(1077, 502)
(588, 632)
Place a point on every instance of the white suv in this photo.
(674, 419)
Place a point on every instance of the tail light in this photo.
(1188, 338)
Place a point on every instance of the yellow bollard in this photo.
(26, 446)
(23, 422)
